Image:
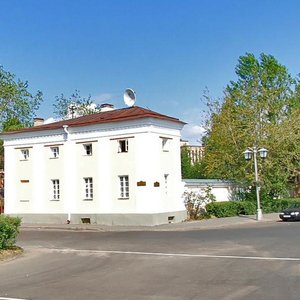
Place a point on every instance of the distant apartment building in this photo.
(195, 152)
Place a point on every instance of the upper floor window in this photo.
(123, 145)
(25, 154)
(54, 152)
(165, 144)
(88, 149)
(88, 188)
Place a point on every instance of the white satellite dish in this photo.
(129, 97)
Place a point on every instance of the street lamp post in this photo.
(248, 155)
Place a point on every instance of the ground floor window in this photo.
(88, 188)
(55, 189)
(124, 186)
(166, 183)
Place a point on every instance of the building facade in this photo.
(117, 167)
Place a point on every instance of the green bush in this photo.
(223, 209)
(195, 203)
(231, 208)
(278, 205)
(235, 208)
(9, 229)
(246, 208)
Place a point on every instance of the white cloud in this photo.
(50, 120)
(192, 133)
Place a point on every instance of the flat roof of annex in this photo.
(116, 115)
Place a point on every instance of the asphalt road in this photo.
(259, 261)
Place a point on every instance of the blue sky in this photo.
(168, 51)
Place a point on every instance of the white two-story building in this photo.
(120, 166)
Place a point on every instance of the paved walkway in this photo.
(193, 225)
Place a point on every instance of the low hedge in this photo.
(9, 229)
(278, 205)
(235, 208)
(230, 208)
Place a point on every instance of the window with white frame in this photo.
(88, 149)
(165, 144)
(54, 152)
(123, 146)
(55, 190)
(124, 186)
(88, 188)
(25, 154)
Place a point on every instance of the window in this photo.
(165, 144)
(88, 188)
(124, 186)
(123, 146)
(166, 183)
(55, 189)
(54, 152)
(25, 154)
(88, 148)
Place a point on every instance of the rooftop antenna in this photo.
(129, 97)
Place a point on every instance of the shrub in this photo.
(230, 208)
(235, 208)
(222, 209)
(9, 229)
(278, 205)
(247, 208)
(195, 203)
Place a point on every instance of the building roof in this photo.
(207, 182)
(116, 115)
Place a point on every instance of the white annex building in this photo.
(119, 166)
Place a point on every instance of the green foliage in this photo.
(278, 205)
(246, 208)
(17, 105)
(9, 229)
(16, 102)
(195, 203)
(235, 208)
(12, 124)
(223, 209)
(189, 170)
(260, 108)
(73, 106)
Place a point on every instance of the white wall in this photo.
(144, 161)
(222, 190)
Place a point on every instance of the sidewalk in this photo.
(183, 226)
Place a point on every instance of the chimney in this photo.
(106, 107)
(38, 121)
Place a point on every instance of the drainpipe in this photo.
(65, 127)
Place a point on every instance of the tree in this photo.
(74, 106)
(256, 110)
(190, 170)
(16, 102)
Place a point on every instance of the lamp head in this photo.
(247, 154)
(263, 153)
